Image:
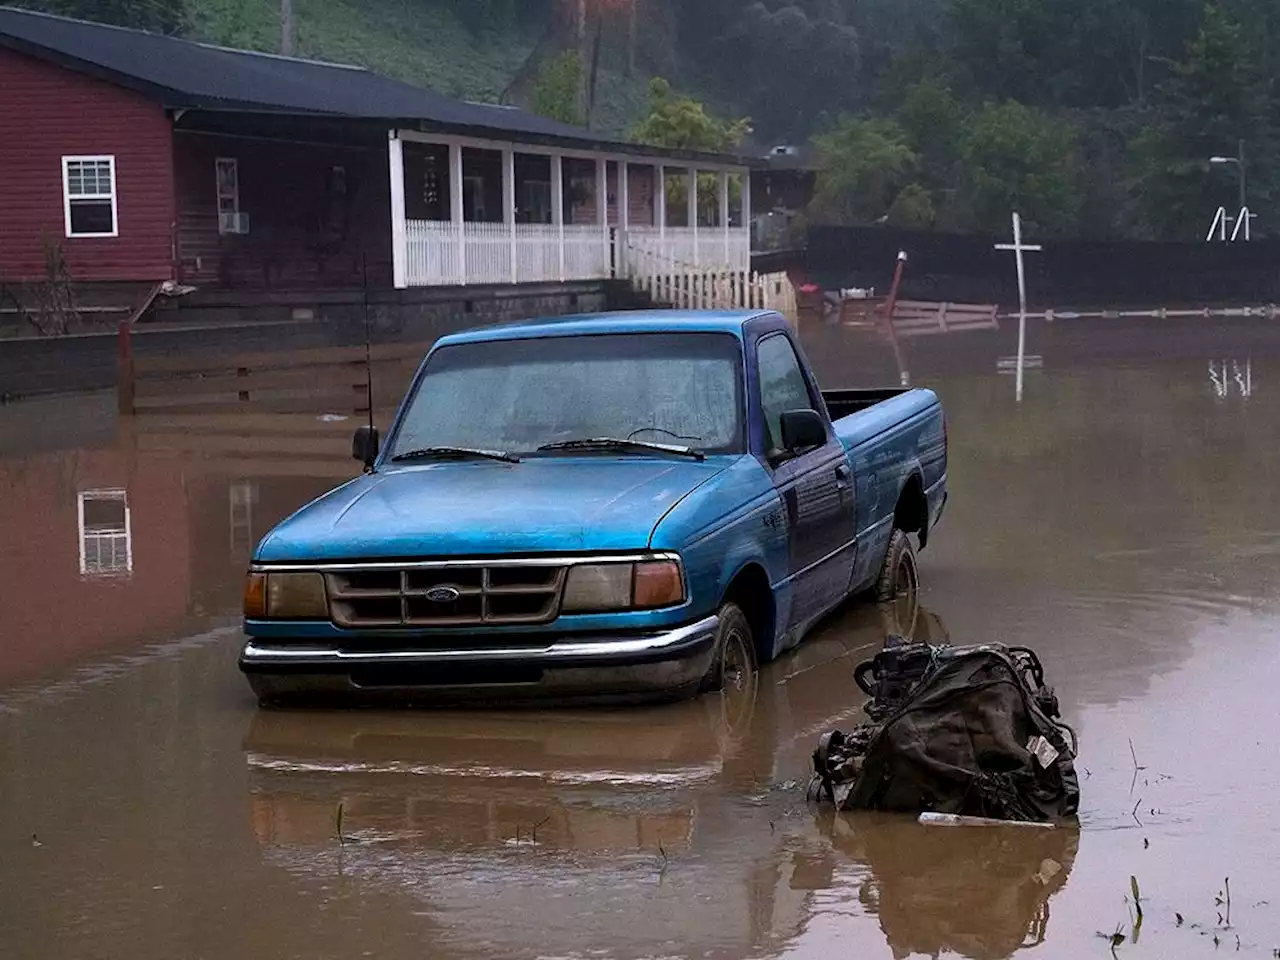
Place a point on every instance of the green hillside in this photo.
(420, 42)
(415, 41)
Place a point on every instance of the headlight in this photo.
(610, 587)
(285, 596)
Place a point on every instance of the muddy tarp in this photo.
(961, 730)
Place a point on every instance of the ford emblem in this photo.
(443, 594)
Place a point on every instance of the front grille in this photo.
(445, 596)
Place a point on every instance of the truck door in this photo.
(816, 489)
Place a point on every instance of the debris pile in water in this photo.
(971, 731)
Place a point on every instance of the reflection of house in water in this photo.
(104, 550)
(94, 557)
(106, 535)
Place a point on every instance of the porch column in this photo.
(693, 213)
(399, 227)
(509, 205)
(455, 210)
(724, 215)
(624, 215)
(557, 204)
(745, 177)
(602, 208)
(660, 204)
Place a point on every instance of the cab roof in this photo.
(631, 321)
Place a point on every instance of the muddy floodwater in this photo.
(1123, 521)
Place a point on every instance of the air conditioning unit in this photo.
(233, 223)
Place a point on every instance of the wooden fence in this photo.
(316, 381)
(691, 288)
(917, 318)
(247, 444)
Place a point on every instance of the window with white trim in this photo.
(106, 534)
(227, 171)
(89, 196)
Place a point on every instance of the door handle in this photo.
(842, 477)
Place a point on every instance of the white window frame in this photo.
(120, 496)
(220, 195)
(67, 161)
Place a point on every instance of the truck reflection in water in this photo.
(639, 818)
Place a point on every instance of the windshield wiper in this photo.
(427, 453)
(617, 443)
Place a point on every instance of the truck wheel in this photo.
(735, 659)
(899, 575)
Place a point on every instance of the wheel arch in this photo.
(750, 590)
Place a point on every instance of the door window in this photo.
(782, 385)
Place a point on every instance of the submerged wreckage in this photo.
(965, 731)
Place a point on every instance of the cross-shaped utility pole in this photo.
(1019, 248)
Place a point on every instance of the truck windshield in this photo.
(680, 389)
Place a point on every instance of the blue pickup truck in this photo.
(618, 507)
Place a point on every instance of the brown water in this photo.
(1122, 521)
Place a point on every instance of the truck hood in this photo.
(487, 508)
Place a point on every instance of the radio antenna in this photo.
(368, 337)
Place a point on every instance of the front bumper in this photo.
(666, 665)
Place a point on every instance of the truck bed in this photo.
(861, 416)
(842, 403)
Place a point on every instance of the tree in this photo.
(786, 62)
(1076, 53)
(933, 120)
(555, 92)
(679, 122)
(1014, 157)
(864, 166)
(1214, 98)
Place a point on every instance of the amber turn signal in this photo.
(657, 583)
(255, 596)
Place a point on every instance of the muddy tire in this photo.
(735, 658)
(899, 575)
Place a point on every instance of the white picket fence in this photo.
(719, 289)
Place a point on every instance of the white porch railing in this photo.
(648, 249)
(533, 252)
(497, 253)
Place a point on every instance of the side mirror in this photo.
(802, 430)
(365, 445)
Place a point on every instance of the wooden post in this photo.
(892, 304)
(288, 33)
(124, 370)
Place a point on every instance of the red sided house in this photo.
(141, 159)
